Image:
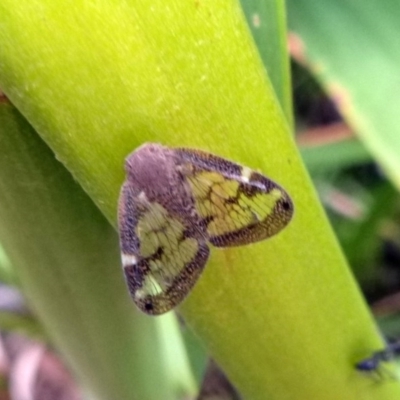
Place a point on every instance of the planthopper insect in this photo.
(176, 200)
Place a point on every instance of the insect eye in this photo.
(149, 306)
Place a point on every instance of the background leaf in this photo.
(349, 47)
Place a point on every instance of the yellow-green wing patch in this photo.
(170, 261)
(239, 210)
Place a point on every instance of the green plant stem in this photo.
(267, 22)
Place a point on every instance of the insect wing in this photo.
(162, 259)
(238, 205)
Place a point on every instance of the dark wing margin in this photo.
(154, 298)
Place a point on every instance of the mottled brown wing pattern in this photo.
(238, 205)
(174, 201)
(167, 259)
